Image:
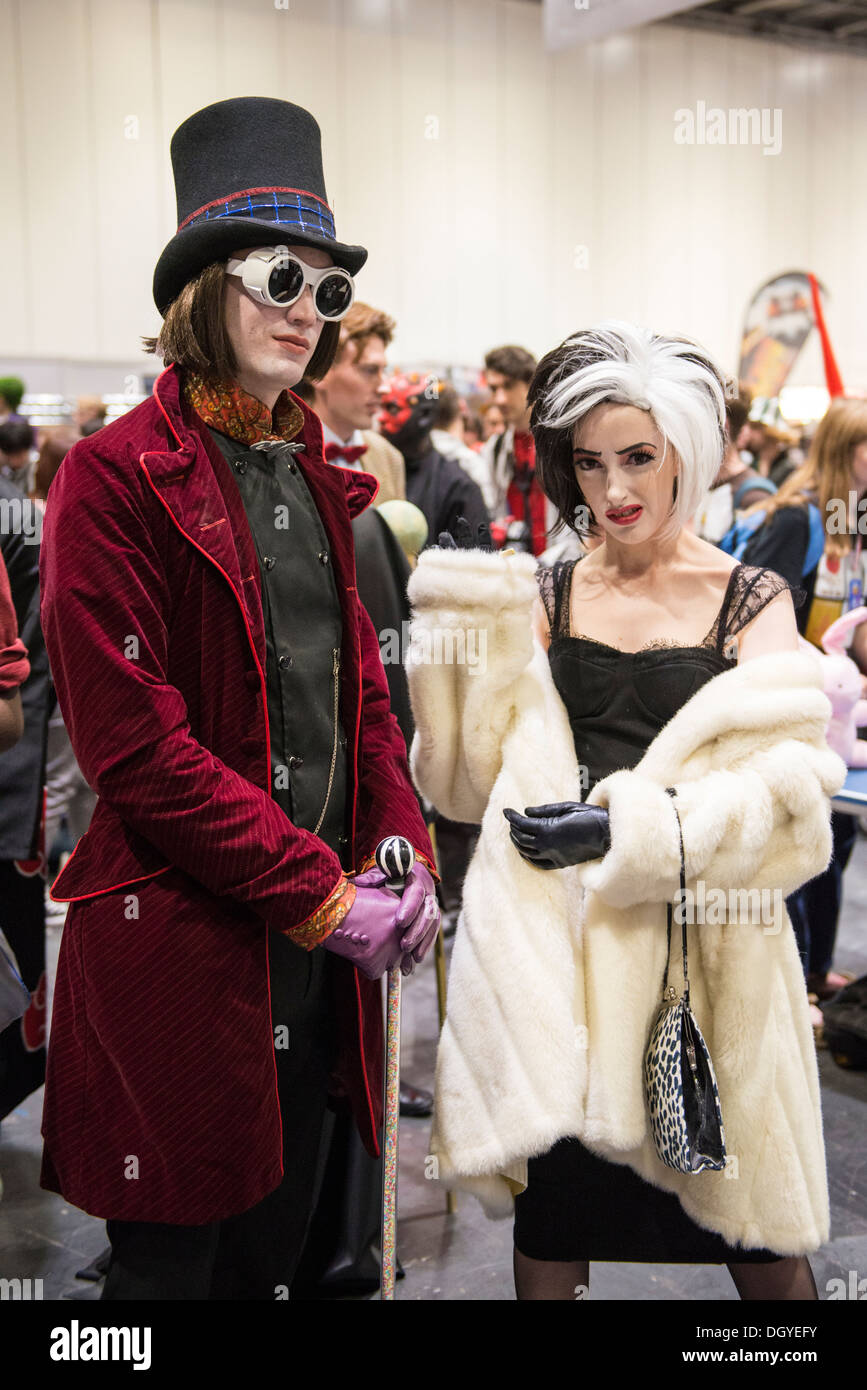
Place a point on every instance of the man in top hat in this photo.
(224, 694)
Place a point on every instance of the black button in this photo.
(342, 740)
(269, 562)
(292, 465)
(322, 557)
(343, 840)
(295, 762)
(286, 662)
(240, 465)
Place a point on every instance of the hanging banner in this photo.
(778, 322)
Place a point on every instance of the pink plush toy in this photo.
(842, 681)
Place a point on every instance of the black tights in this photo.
(781, 1280)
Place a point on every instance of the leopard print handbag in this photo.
(679, 1082)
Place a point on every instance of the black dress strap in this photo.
(558, 598)
(555, 586)
(723, 633)
(750, 590)
(545, 580)
(564, 570)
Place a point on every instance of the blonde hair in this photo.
(360, 325)
(826, 472)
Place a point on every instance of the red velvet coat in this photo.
(161, 1100)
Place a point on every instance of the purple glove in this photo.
(419, 915)
(412, 931)
(369, 936)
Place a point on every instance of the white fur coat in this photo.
(556, 976)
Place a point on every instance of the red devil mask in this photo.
(410, 402)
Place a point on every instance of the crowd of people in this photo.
(209, 813)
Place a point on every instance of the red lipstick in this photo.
(624, 516)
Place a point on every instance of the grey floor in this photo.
(464, 1255)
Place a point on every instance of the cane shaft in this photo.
(390, 1124)
(439, 946)
(440, 964)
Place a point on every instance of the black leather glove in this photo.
(553, 837)
(462, 538)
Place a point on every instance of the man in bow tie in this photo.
(347, 401)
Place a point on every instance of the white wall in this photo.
(472, 234)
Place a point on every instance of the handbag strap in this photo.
(672, 792)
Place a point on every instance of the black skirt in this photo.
(578, 1206)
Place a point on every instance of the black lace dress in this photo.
(578, 1206)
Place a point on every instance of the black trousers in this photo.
(253, 1255)
(22, 920)
(456, 843)
(815, 908)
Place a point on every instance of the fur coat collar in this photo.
(556, 976)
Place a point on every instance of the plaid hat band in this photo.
(285, 207)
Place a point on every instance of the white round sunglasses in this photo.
(274, 275)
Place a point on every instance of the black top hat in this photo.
(248, 172)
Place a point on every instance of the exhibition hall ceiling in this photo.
(839, 25)
(835, 24)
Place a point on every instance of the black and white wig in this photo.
(672, 378)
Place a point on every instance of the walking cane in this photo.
(440, 963)
(395, 856)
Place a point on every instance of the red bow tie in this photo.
(343, 451)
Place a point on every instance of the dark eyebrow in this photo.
(597, 452)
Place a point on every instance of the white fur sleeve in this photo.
(470, 640)
(764, 825)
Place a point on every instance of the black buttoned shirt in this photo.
(303, 631)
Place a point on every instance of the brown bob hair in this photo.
(194, 332)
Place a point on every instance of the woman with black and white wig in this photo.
(656, 674)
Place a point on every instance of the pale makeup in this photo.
(268, 362)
